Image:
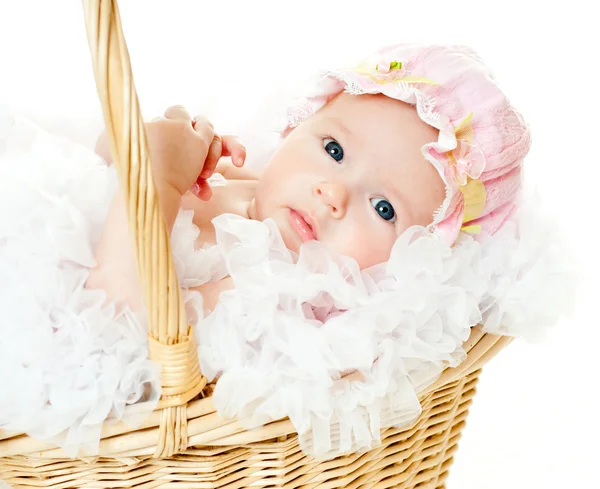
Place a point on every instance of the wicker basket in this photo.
(185, 443)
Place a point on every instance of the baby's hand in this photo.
(178, 148)
(221, 146)
(185, 151)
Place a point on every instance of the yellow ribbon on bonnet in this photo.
(474, 193)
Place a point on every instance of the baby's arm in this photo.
(181, 151)
(115, 271)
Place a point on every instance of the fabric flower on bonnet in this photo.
(389, 69)
(467, 160)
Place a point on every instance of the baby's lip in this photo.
(310, 222)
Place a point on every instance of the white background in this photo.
(534, 423)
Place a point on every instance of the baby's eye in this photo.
(334, 149)
(384, 209)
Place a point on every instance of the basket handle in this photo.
(171, 339)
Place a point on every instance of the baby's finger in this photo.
(204, 128)
(202, 189)
(232, 146)
(213, 157)
(178, 112)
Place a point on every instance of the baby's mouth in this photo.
(300, 224)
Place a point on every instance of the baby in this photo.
(415, 135)
(408, 165)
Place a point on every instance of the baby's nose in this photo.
(334, 195)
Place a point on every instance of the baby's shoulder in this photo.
(229, 196)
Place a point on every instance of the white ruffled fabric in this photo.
(279, 342)
(66, 363)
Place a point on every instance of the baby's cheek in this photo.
(367, 248)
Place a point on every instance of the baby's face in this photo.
(353, 177)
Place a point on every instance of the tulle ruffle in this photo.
(282, 340)
(280, 343)
(67, 363)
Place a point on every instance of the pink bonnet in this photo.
(482, 138)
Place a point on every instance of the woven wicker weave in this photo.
(185, 443)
